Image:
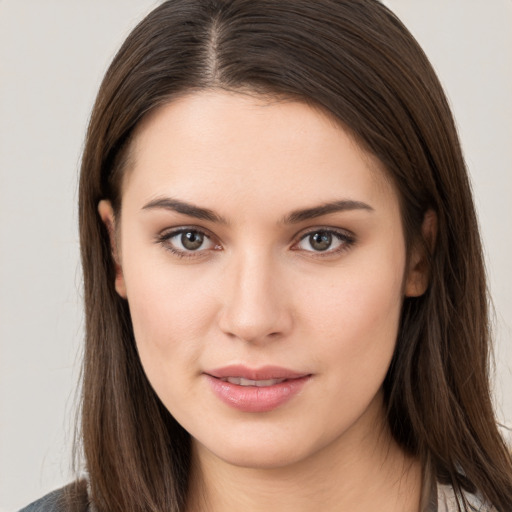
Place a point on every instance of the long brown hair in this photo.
(356, 60)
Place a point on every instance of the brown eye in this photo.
(320, 241)
(192, 240)
(187, 242)
(328, 241)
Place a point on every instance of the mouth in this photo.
(264, 376)
(240, 381)
(256, 390)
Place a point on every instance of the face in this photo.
(262, 256)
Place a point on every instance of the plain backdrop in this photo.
(53, 54)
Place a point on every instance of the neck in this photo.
(364, 468)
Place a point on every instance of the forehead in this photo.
(212, 145)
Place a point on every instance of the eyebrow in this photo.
(175, 205)
(168, 203)
(325, 209)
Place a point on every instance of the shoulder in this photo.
(448, 502)
(52, 502)
(72, 498)
(447, 499)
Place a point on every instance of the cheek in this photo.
(169, 329)
(362, 299)
(355, 344)
(171, 313)
(356, 319)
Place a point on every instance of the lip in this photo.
(253, 398)
(263, 373)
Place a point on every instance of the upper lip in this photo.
(262, 373)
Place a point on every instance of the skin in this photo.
(258, 292)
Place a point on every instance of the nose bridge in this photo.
(254, 308)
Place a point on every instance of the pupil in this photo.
(320, 241)
(192, 240)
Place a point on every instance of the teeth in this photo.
(240, 381)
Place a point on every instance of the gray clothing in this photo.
(49, 503)
(57, 501)
(445, 501)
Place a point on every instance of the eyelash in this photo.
(165, 238)
(346, 241)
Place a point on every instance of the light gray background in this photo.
(53, 54)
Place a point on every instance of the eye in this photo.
(325, 241)
(187, 241)
(191, 240)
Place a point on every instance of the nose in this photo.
(255, 306)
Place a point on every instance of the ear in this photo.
(418, 272)
(107, 216)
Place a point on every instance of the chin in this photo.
(262, 458)
(274, 452)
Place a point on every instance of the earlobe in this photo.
(418, 274)
(106, 213)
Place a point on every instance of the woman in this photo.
(284, 288)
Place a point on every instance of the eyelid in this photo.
(346, 237)
(171, 231)
(164, 236)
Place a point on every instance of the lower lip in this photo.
(256, 399)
